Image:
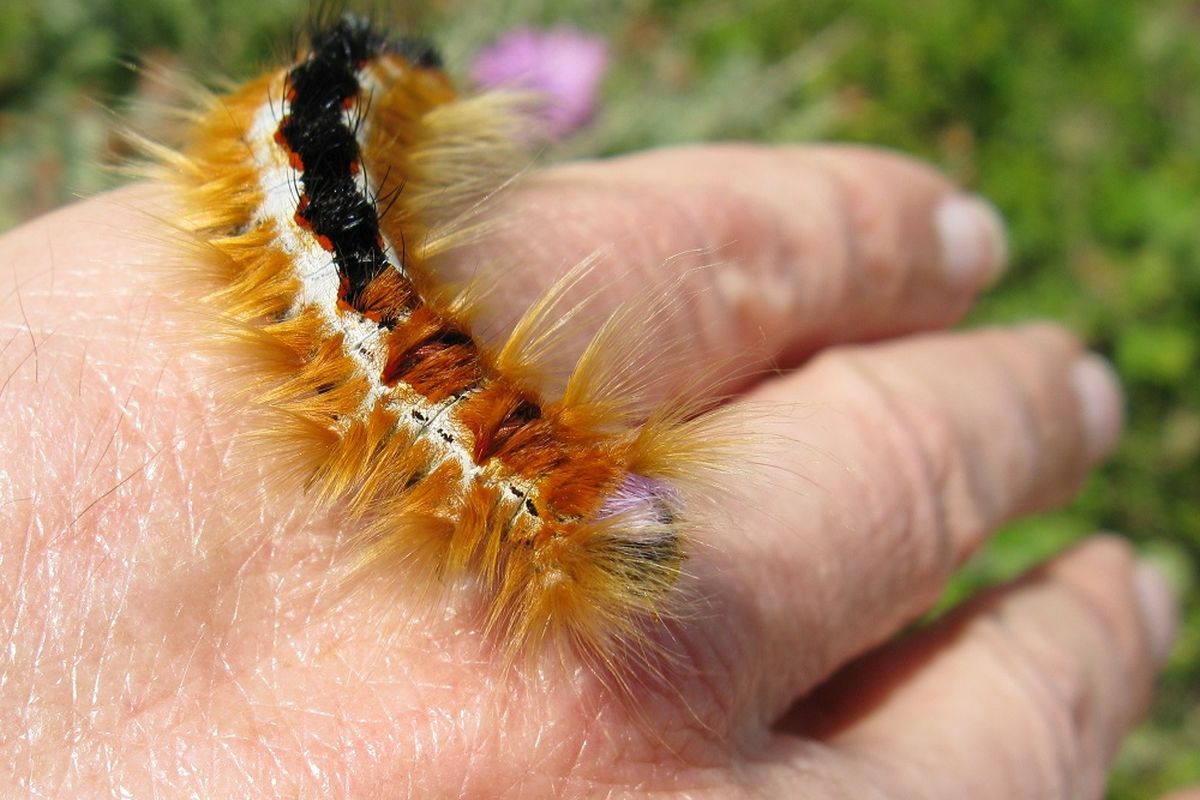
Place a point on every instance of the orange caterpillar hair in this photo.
(323, 192)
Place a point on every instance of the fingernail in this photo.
(974, 248)
(1156, 601)
(1101, 406)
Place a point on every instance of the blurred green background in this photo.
(1079, 118)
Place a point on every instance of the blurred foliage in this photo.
(1080, 119)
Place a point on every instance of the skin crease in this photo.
(171, 628)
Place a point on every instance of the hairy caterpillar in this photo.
(324, 192)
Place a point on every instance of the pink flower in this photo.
(564, 65)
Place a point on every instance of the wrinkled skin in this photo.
(171, 628)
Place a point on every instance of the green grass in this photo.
(1079, 118)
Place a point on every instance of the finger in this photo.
(1024, 693)
(801, 247)
(811, 245)
(895, 462)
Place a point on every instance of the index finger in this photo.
(808, 246)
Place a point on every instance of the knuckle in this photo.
(1066, 688)
(1047, 701)
(876, 254)
(915, 486)
(1042, 457)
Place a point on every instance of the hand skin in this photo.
(168, 629)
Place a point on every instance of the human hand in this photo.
(156, 648)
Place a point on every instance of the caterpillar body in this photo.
(324, 194)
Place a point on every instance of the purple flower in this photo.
(564, 65)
